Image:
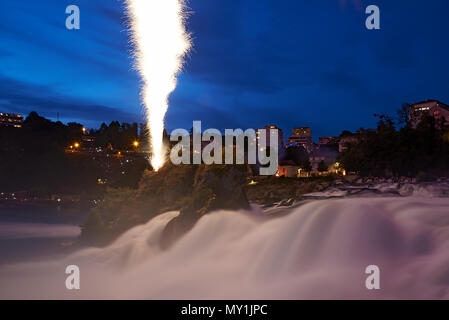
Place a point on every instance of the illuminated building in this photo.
(302, 132)
(280, 135)
(301, 137)
(433, 108)
(289, 169)
(11, 120)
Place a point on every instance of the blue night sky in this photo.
(255, 62)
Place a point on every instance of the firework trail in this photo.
(160, 42)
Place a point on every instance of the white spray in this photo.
(319, 250)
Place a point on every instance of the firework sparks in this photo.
(160, 42)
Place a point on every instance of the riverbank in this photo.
(269, 192)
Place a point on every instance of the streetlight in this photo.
(136, 144)
(77, 145)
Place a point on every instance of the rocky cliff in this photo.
(193, 190)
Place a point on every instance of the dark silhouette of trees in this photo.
(407, 151)
(116, 135)
(33, 157)
(306, 165)
(322, 167)
(403, 118)
(297, 154)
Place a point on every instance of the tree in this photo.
(296, 154)
(322, 167)
(306, 165)
(408, 151)
(403, 117)
(119, 136)
(36, 160)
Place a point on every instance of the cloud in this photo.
(22, 97)
(95, 46)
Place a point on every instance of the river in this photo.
(318, 249)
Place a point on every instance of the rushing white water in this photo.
(318, 250)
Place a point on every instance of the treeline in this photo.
(118, 136)
(33, 158)
(388, 151)
(299, 156)
(122, 135)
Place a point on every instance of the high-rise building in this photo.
(301, 137)
(11, 120)
(302, 132)
(433, 108)
(280, 135)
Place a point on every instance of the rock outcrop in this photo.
(194, 190)
(214, 187)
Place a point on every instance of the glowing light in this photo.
(77, 145)
(136, 144)
(160, 44)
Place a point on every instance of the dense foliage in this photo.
(116, 135)
(299, 156)
(421, 152)
(34, 158)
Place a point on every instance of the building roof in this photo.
(431, 100)
(269, 127)
(14, 115)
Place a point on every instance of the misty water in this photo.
(35, 233)
(316, 249)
